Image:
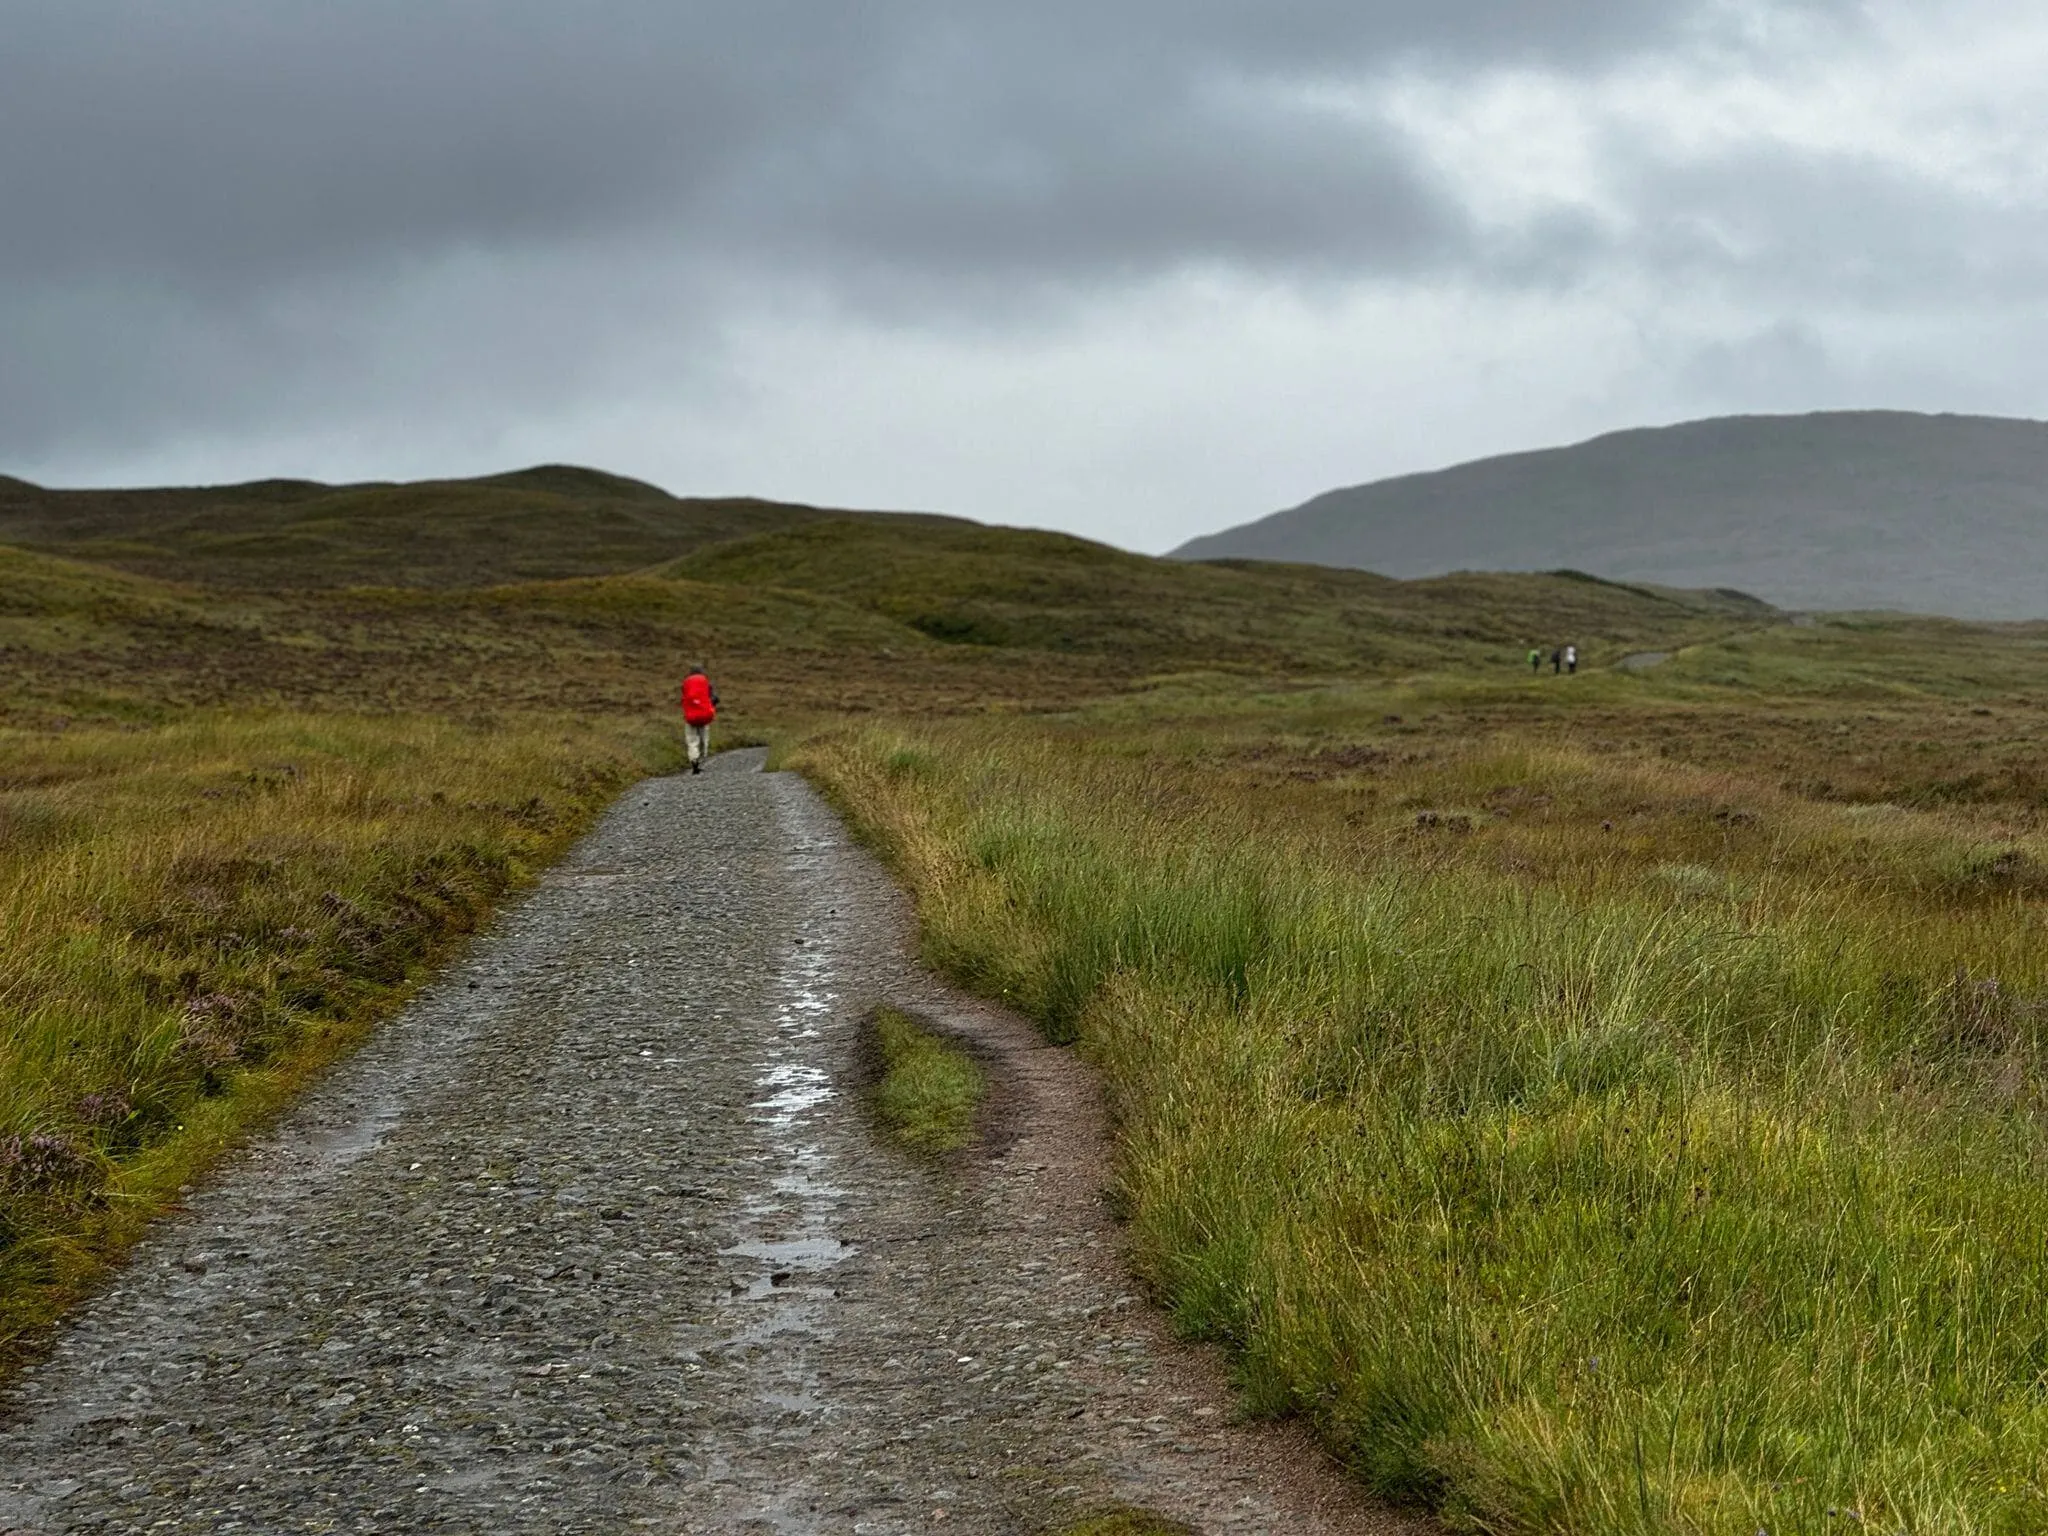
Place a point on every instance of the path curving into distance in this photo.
(596, 1237)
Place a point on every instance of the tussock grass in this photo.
(930, 1089)
(198, 914)
(1560, 1193)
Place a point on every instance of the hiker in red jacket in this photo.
(700, 708)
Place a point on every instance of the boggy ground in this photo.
(596, 1237)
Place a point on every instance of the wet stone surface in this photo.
(596, 1237)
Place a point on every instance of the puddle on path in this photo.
(787, 1226)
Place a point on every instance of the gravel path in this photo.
(596, 1238)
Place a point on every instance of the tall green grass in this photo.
(1604, 1204)
(197, 915)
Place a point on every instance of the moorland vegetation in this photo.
(1609, 1103)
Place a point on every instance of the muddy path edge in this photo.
(1046, 1121)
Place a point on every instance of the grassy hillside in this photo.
(1611, 1103)
(1000, 588)
(839, 614)
(537, 524)
(1843, 510)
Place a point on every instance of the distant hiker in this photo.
(1557, 660)
(1571, 658)
(700, 708)
(1535, 659)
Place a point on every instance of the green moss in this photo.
(930, 1088)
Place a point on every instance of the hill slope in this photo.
(1866, 509)
(964, 584)
(545, 523)
(832, 614)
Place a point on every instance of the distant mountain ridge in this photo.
(1834, 510)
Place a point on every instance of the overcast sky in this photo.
(1138, 268)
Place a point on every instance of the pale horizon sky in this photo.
(1138, 270)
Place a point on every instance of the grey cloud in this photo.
(1779, 368)
(228, 141)
(378, 355)
(1837, 230)
(183, 185)
(1796, 365)
(1130, 180)
(223, 142)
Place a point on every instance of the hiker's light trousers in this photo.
(697, 738)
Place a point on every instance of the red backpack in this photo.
(698, 708)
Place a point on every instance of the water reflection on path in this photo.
(789, 1227)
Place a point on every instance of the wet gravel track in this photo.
(596, 1237)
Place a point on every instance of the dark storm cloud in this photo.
(215, 143)
(205, 204)
(221, 142)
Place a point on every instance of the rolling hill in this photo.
(1840, 510)
(546, 523)
(566, 588)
